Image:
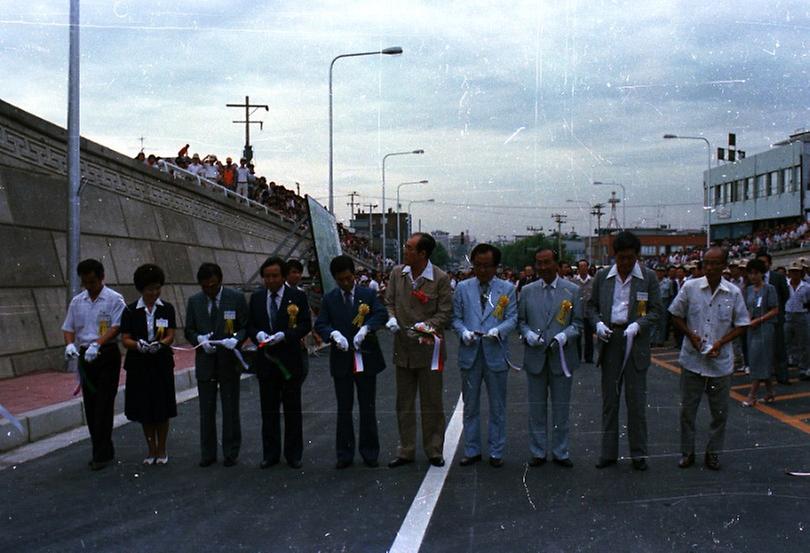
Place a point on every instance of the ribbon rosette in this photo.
(292, 313)
(426, 334)
(642, 308)
(362, 311)
(565, 309)
(500, 308)
(421, 296)
(229, 326)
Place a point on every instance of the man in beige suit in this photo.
(419, 300)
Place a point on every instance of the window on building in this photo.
(784, 179)
(759, 191)
(717, 193)
(748, 188)
(649, 250)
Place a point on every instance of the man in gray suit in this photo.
(550, 318)
(217, 313)
(626, 305)
(484, 313)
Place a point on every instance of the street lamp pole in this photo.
(399, 226)
(393, 51)
(706, 199)
(624, 198)
(384, 215)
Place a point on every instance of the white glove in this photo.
(154, 347)
(262, 336)
(71, 352)
(533, 339)
(91, 353)
(143, 346)
(276, 338)
(493, 333)
(392, 325)
(203, 339)
(603, 332)
(360, 336)
(340, 340)
(561, 339)
(468, 337)
(230, 343)
(631, 330)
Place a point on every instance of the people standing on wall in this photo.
(626, 304)
(279, 319)
(90, 332)
(710, 312)
(217, 314)
(419, 301)
(349, 318)
(147, 332)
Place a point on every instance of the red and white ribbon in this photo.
(436, 363)
(566, 370)
(358, 362)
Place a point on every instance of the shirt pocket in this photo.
(725, 309)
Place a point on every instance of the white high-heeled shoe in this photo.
(162, 460)
(149, 461)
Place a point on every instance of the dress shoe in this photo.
(467, 461)
(371, 463)
(603, 463)
(297, 464)
(398, 462)
(712, 461)
(437, 461)
(98, 465)
(537, 462)
(566, 463)
(342, 464)
(267, 463)
(686, 461)
(495, 462)
(640, 464)
(207, 462)
(229, 462)
(162, 460)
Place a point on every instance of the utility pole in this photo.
(370, 224)
(613, 221)
(248, 153)
(352, 203)
(73, 245)
(141, 139)
(559, 218)
(597, 212)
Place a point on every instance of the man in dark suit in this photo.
(279, 319)
(217, 314)
(349, 316)
(626, 305)
(778, 281)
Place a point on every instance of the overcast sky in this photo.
(520, 106)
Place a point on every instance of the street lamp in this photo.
(399, 226)
(624, 198)
(431, 200)
(709, 210)
(590, 223)
(393, 51)
(384, 215)
(706, 198)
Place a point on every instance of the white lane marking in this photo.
(412, 532)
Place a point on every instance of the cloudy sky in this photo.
(519, 106)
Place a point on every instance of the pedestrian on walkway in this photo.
(349, 318)
(147, 332)
(217, 314)
(710, 312)
(797, 324)
(626, 305)
(484, 314)
(778, 281)
(763, 308)
(419, 301)
(90, 331)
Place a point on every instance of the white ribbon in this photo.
(358, 362)
(505, 349)
(628, 349)
(436, 362)
(235, 351)
(566, 370)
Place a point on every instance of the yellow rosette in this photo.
(159, 333)
(500, 307)
(292, 313)
(642, 308)
(565, 308)
(229, 326)
(362, 311)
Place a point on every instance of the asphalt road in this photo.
(55, 503)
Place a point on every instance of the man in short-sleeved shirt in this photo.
(91, 331)
(711, 313)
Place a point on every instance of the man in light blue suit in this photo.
(484, 313)
(550, 318)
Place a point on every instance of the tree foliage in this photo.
(521, 252)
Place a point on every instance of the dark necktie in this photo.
(214, 315)
(273, 309)
(484, 297)
(347, 299)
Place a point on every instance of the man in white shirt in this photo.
(797, 325)
(584, 280)
(711, 313)
(243, 177)
(195, 166)
(90, 331)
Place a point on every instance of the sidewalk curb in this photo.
(52, 419)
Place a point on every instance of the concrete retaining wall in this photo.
(130, 215)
